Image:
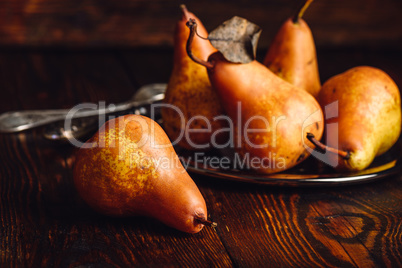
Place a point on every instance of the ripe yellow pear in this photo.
(190, 92)
(292, 54)
(369, 116)
(129, 168)
(270, 116)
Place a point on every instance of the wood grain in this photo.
(43, 222)
(311, 227)
(137, 23)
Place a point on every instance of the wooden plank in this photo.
(43, 222)
(283, 227)
(53, 80)
(150, 23)
(148, 65)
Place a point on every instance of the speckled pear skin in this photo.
(289, 112)
(131, 168)
(292, 56)
(190, 91)
(369, 115)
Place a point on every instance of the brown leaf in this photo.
(236, 39)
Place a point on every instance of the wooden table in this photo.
(45, 224)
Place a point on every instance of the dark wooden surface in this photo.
(43, 223)
(90, 23)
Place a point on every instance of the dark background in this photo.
(58, 53)
(370, 24)
(347, 33)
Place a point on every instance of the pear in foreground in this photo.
(292, 54)
(130, 168)
(369, 116)
(195, 103)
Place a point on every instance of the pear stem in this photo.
(301, 11)
(344, 154)
(183, 8)
(206, 222)
(184, 11)
(192, 25)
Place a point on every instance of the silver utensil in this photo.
(16, 121)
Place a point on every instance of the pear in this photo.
(368, 116)
(190, 122)
(130, 168)
(270, 116)
(292, 54)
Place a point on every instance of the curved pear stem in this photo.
(345, 155)
(186, 15)
(206, 222)
(301, 11)
(192, 25)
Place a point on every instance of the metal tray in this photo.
(311, 172)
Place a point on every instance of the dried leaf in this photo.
(236, 39)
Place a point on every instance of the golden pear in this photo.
(130, 168)
(270, 116)
(369, 116)
(190, 122)
(292, 54)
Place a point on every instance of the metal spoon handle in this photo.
(21, 120)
